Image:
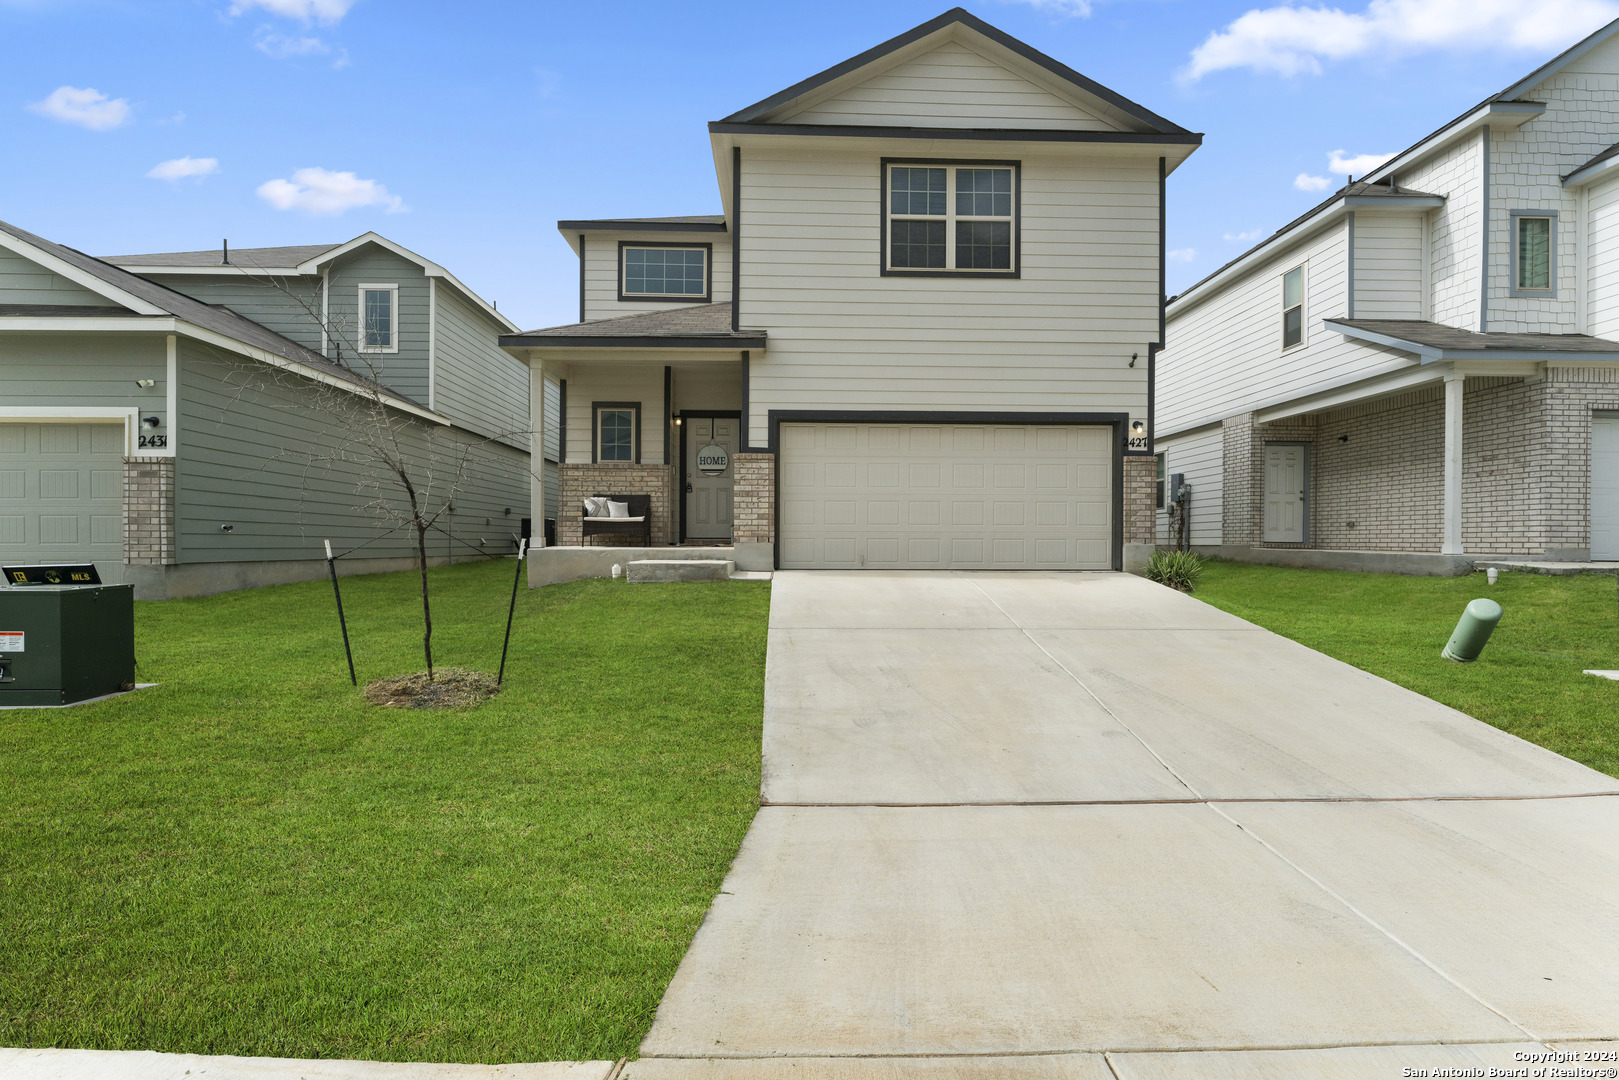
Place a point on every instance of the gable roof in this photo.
(1435, 341)
(142, 297)
(284, 258)
(696, 326)
(954, 21)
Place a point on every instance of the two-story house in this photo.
(1424, 368)
(920, 335)
(198, 421)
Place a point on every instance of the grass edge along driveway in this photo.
(251, 860)
(1529, 680)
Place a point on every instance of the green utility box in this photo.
(64, 643)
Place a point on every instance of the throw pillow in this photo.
(618, 509)
(596, 506)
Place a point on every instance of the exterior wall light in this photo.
(1138, 428)
(151, 421)
(145, 384)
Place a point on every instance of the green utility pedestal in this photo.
(64, 643)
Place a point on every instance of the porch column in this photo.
(536, 449)
(1452, 544)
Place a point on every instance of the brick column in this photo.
(148, 511)
(575, 482)
(1140, 500)
(754, 499)
(1242, 500)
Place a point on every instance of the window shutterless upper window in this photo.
(1534, 253)
(652, 271)
(379, 318)
(950, 218)
(1292, 307)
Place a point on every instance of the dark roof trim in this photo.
(972, 22)
(1506, 350)
(631, 225)
(1188, 138)
(70, 311)
(626, 341)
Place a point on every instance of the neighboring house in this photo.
(920, 336)
(162, 416)
(1428, 362)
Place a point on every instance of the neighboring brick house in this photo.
(919, 336)
(1427, 363)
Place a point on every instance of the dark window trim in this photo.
(596, 408)
(708, 272)
(1017, 218)
(1162, 474)
(1550, 292)
(1119, 422)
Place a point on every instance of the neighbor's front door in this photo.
(1285, 493)
(710, 467)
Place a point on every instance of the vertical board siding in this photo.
(950, 87)
(245, 462)
(1388, 266)
(478, 384)
(23, 281)
(1602, 274)
(288, 305)
(601, 271)
(1200, 455)
(844, 336)
(404, 372)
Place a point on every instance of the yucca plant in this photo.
(1177, 569)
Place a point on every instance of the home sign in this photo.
(712, 460)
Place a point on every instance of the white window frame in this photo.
(950, 218)
(1517, 289)
(1303, 296)
(393, 314)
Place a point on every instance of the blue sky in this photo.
(464, 131)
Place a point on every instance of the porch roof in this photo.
(1434, 341)
(695, 326)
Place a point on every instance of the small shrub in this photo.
(1177, 569)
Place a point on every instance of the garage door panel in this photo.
(13, 484)
(13, 529)
(59, 438)
(12, 439)
(61, 492)
(980, 496)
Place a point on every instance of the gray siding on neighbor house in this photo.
(244, 462)
(289, 306)
(406, 371)
(85, 370)
(23, 281)
(476, 383)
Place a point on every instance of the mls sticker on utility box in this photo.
(11, 641)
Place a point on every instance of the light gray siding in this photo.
(406, 371)
(23, 281)
(1602, 259)
(553, 418)
(1199, 455)
(1388, 266)
(244, 462)
(288, 305)
(475, 382)
(601, 271)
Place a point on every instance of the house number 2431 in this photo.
(155, 442)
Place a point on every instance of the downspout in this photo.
(1484, 259)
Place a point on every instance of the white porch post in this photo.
(536, 449)
(1452, 545)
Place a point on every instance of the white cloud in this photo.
(284, 46)
(325, 12)
(180, 168)
(1359, 165)
(1081, 8)
(1305, 182)
(1290, 40)
(87, 108)
(317, 191)
(1181, 255)
(1244, 237)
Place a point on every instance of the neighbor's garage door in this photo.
(61, 493)
(946, 496)
(1605, 486)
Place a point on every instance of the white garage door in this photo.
(1605, 486)
(946, 496)
(61, 493)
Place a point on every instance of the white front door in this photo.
(1605, 486)
(710, 481)
(1284, 493)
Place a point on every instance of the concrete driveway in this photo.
(1082, 825)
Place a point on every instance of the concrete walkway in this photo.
(1084, 826)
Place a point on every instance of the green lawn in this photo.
(1528, 681)
(251, 860)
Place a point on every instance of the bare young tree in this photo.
(406, 468)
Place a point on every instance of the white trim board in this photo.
(80, 414)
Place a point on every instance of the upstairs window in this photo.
(648, 271)
(1534, 253)
(379, 318)
(1160, 459)
(1293, 307)
(951, 219)
(618, 431)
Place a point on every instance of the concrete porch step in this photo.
(659, 570)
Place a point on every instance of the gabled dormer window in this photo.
(379, 314)
(950, 218)
(655, 271)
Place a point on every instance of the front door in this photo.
(710, 468)
(1285, 493)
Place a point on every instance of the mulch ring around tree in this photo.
(451, 688)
